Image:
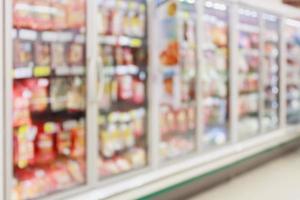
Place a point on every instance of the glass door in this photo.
(123, 97)
(215, 73)
(48, 96)
(270, 72)
(177, 68)
(292, 34)
(248, 73)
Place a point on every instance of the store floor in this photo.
(277, 180)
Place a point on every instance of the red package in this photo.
(24, 145)
(45, 145)
(39, 98)
(22, 13)
(64, 142)
(78, 141)
(21, 111)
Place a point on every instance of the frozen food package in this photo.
(58, 93)
(58, 55)
(76, 95)
(76, 54)
(42, 54)
(23, 53)
(22, 15)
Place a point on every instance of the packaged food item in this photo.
(41, 17)
(107, 55)
(138, 122)
(181, 121)
(137, 157)
(60, 175)
(76, 54)
(125, 87)
(59, 17)
(39, 94)
(119, 55)
(170, 56)
(139, 93)
(78, 140)
(21, 102)
(76, 171)
(24, 145)
(76, 95)
(58, 93)
(22, 13)
(45, 145)
(58, 53)
(23, 53)
(64, 138)
(128, 56)
(42, 54)
(76, 14)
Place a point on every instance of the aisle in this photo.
(278, 180)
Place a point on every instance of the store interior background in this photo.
(173, 172)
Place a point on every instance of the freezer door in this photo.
(122, 96)
(45, 97)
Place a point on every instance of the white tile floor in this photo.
(277, 180)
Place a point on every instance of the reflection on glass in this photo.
(48, 96)
(248, 74)
(215, 74)
(123, 90)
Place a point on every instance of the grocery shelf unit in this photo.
(129, 133)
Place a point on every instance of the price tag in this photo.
(24, 72)
(28, 35)
(62, 71)
(77, 70)
(136, 42)
(41, 71)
